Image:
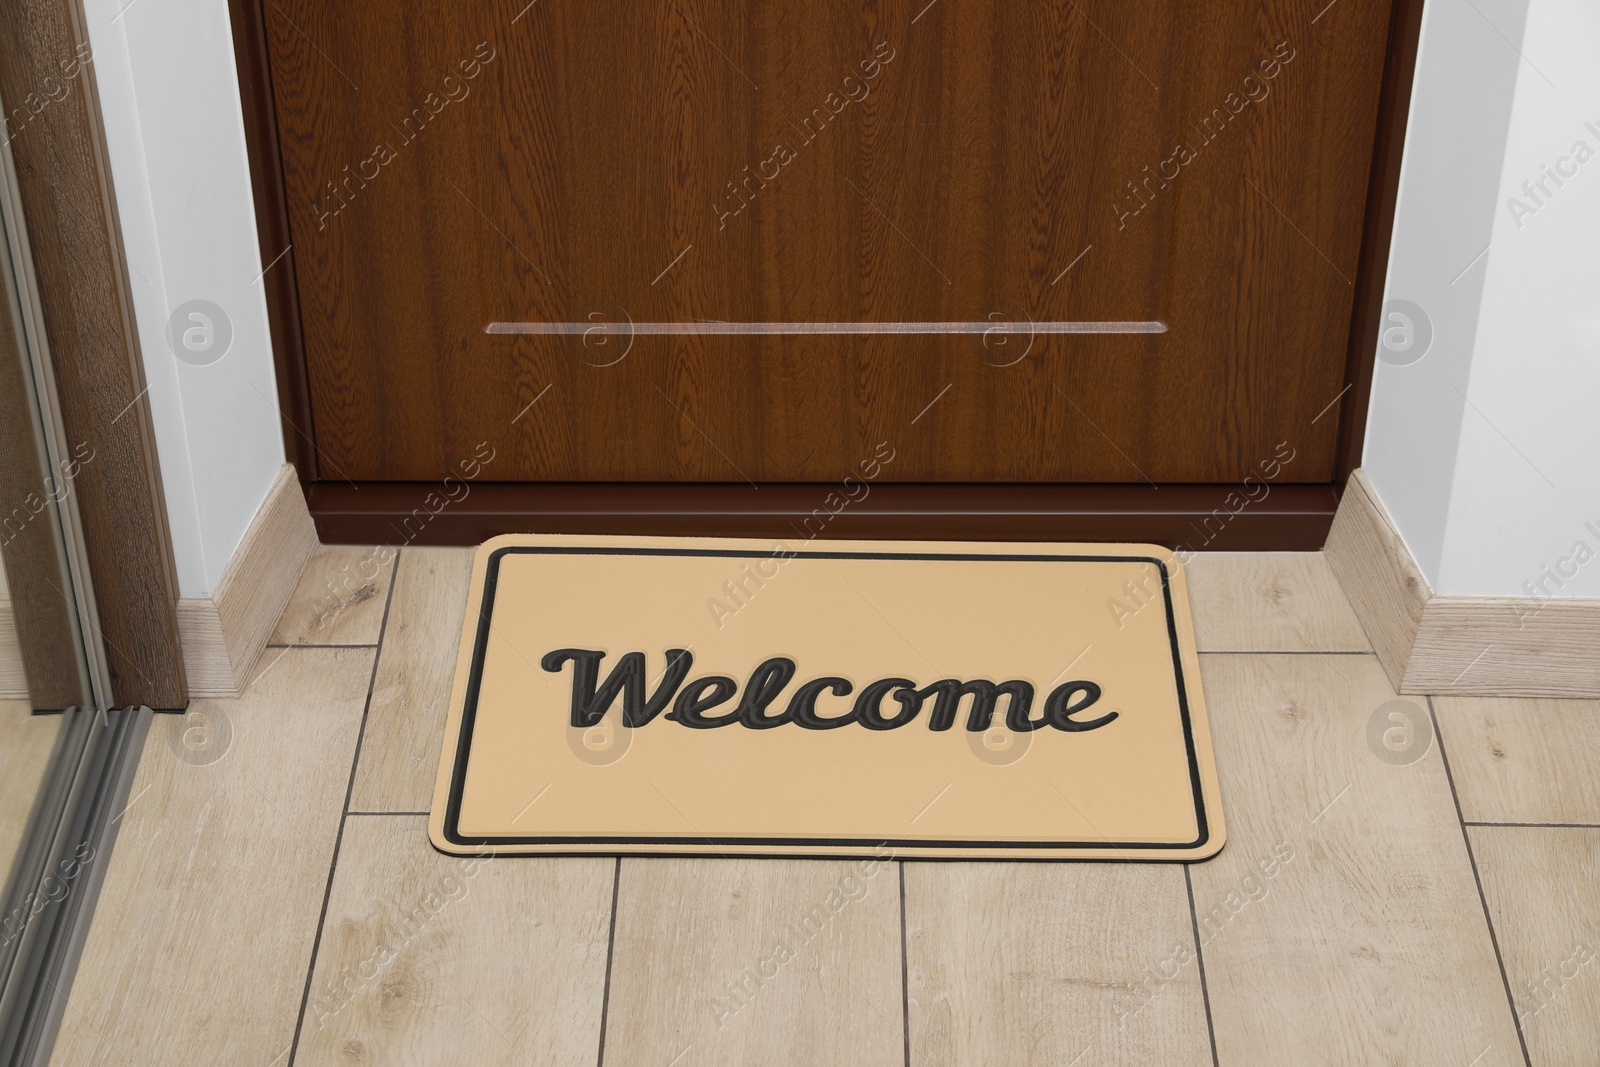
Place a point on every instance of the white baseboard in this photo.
(1456, 645)
(222, 635)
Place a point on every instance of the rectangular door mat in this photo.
(736, 697)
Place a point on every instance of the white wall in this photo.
(1484, 451)
(175, 133)
(1528, 479)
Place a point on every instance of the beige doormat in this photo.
(729, 697)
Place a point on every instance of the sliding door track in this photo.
(71, 834)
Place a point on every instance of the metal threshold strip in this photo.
(712, 327)
(84, 796)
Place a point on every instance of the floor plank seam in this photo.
(984, 977)
(1537, 825)
(611, 951)
(355, 644)
(1284, 652)
(905, 970)
(1483, 901)
(338, 840)
(1200, 964)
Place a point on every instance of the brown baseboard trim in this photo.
(1196, 517)
(1455, 645)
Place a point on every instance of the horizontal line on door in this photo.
(811, 328)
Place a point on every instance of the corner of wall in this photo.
(1466, 75)
(174, 126)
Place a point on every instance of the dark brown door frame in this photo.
(1290, 516)
(30, 535)
(1383, 188)
(57, 142)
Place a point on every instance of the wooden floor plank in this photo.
(26, 741)
(1052, 963)
(1540, 886)
(405, 728)
(1342, 924)
(202, 937)
(340, 598)
(766, 962)
(1270, 602)
(1523, 760)
(434, 959)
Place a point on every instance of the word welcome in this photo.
(591, 698)
(797, 934)
(1255, 90)
(854, 90)
(767, 569)
(338, 194)
(1579, 154)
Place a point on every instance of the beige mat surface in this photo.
(742, 697)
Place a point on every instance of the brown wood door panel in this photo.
(581, 174)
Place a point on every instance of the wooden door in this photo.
(740, 241)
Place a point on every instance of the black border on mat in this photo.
(452, 815)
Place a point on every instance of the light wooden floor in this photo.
(281, 904)
(26, 741)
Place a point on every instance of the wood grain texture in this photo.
(1507, 645)
(340, 598)
(1382, 582)
(1052, 963)
(26, 741)
(1466, 645)
(69, 208)
(1270, 602)
(774, 962)
(1523, 760)
(265, 568)
(202, 937)
(39, 626)
(1539, 886)
(1342, 922)
(1367, 945)
(434, 959)
(411, 692)
(223, 634)
(589, 149)
(209, 671)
